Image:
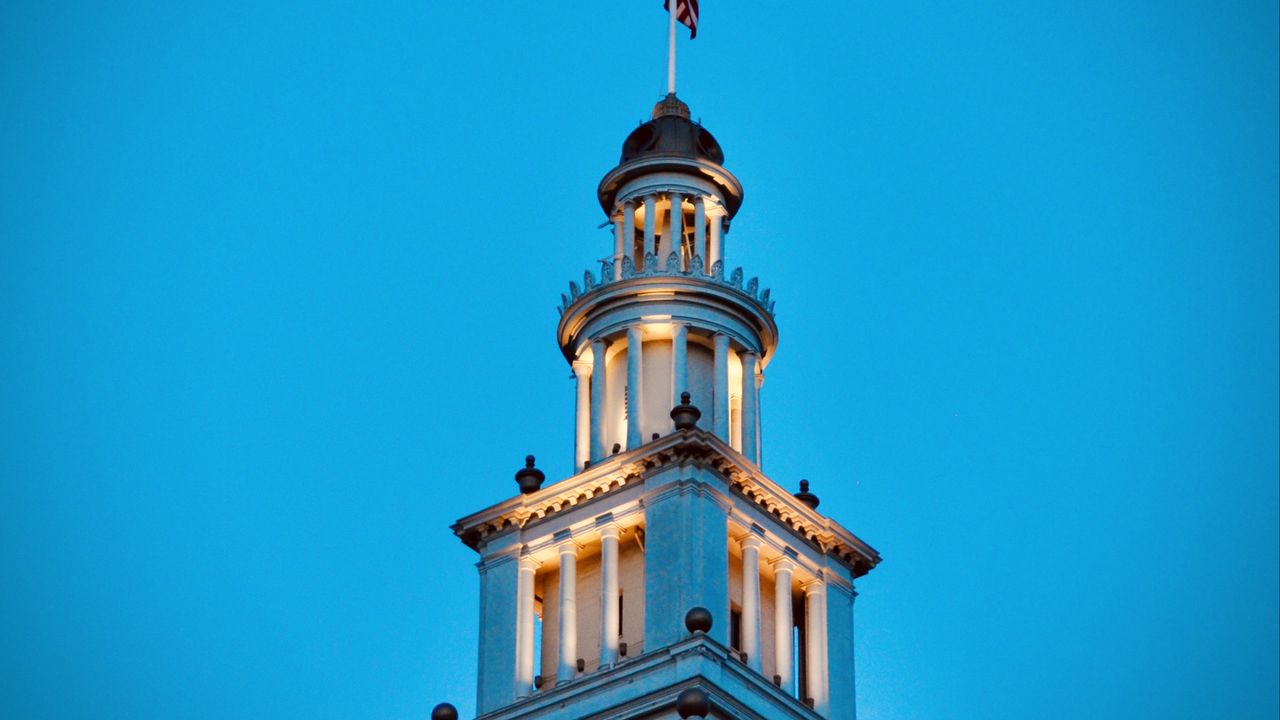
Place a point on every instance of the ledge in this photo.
(640, 686)
(670, 268)
(626, 469)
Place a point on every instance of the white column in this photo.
(568, 666)
(618, 246)
(720, 392)
(679, 363)
(524, 627)
(582, 416)
(750, 445)
(815, 614)
(676, 231)
(662, 244)
(759, 434)
(650, 223)
(783, 622)
(700, 228)
(635, 418)
(735, 421)
(715, 251)
(609, 629)
(628, 232)
(598, 348)
(751, 601)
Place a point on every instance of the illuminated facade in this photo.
(586, 583)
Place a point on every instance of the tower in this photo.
(668, 567)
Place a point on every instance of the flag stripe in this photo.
(686, 14)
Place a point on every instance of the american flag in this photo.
(686, 13)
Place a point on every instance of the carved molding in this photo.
(670, 266)
(700, 448)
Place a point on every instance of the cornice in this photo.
(742, 478)
(701, 659)
(670, 267)
(618, 177)
(707, 293)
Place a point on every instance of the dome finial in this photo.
(671, 105)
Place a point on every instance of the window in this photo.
(735, 629)
(797, 662)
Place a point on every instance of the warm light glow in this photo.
(657, 327)
(735, 374)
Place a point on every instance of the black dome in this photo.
(670, 142)
(671, 132)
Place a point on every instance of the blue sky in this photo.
(277, 290)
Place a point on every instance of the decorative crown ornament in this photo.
(684, 415)
(529, 477)
(805, 496)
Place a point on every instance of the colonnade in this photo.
(814, 661)
(590, 444)
(567, 640)
(783, 649)
(708, 226)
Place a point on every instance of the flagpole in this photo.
(671, 46)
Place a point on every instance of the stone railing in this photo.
(671, 268)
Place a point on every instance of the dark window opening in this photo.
(735, 629)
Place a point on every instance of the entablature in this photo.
(705, 299)
(628, 470)
(616, 181)
(647, 685)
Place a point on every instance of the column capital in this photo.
(609, 530)
(784, 564)
(814, 586)
(529, 562)
(751, 540)
(565, 544)
(582, 368)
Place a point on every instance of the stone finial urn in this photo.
(805, 496)
(685, 415)
(529, 478)
(698, 620)
(444, 711)
(693, 703)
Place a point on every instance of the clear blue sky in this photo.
(277, 291)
